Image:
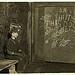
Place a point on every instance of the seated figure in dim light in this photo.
(13, 51)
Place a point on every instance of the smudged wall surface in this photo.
(14, 15)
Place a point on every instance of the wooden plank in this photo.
(47, 4)
(7, 63)
(12, 69)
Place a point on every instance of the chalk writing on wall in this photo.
(58, 21)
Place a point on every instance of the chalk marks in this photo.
(56, 22)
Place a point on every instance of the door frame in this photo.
(41, 4)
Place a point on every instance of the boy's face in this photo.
(15, 34)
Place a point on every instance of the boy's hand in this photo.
(20, 50)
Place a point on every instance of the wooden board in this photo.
(7, 63)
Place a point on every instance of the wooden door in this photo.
(54, 32)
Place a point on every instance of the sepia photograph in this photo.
(37, 37)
